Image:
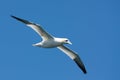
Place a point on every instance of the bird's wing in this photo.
(35, 27)
(73, 56)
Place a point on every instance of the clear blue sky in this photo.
(93, 26)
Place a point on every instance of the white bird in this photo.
(51, 42)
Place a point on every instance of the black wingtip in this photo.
(81, 66)
(22, 20)
(12, 16)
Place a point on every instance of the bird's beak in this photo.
(69, 42)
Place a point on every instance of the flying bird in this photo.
(49, 41)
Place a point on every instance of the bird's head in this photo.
(66, 41)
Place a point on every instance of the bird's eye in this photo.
(66, 40)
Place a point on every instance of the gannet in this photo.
(49, 41)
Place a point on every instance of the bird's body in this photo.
(55, 42)
(49, 41)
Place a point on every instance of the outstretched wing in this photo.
(36, 28)
(73, 56)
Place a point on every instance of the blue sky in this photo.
(93, 26)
